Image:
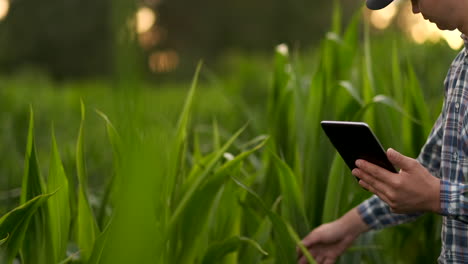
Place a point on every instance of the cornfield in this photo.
(177, 188)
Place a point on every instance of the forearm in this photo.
(377, 214)
(353, 222)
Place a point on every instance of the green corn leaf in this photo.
(387, 101)
(33, 184)
(15, 223)
(197, 153)
(261, 235)
(193, 186)
(4, 239)
(70, 258)
(86, 228)
(113, 135)
(216, 137)
(98, 249)
(59, 205)
(36, 246)
(113, 184)
(334, 189)
(205, 194)
(182, 125)
(226, 167)
(218, 250)
(299, 244)
(397, 74)
(180, 143)
(348, 86)
(284, 244)
(293, 206)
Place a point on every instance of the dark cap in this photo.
(377, 4)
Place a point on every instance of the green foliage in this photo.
(36, 245)
(15, 224)
(174, 181)
(86, 227)
(58, 205)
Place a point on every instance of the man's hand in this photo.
(411, 190)
(328, 241)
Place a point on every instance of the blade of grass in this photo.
(36, 246)
(285, 250)
(32, 184)
(292, 208)
(59, 205)
(218, 250)
(193, 186)
(4, 239)
(86, 227)
(15, 223)
(334, 190)
(113, 184)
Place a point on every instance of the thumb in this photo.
(399, 160)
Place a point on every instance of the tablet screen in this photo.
(355, 140)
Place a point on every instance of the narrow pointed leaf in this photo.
(33, 184)
(113, 183)
(59, 205)
(334, 189)
(37, 247)
(86, 227)
(293, 204)
(15, 223)
(285, 247)
(4, 239)
(199, 180)
(218, 250)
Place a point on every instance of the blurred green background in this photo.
(134, 61)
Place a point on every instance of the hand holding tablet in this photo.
(355, 140)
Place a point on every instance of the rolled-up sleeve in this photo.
(377, 214)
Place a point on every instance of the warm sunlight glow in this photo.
(282, 49)
(163, 61)
(145, 19)
(453, 39)
(382, 18)
(4, 7)
(418, 29)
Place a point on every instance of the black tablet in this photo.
(355, 140)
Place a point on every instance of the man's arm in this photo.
(328, 241)
(378, 215)
(412, 190)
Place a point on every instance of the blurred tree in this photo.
(66, 37)
(75, 38)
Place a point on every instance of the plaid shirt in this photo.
(445, 155)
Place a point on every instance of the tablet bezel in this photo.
(373, 153)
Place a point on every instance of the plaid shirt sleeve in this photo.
(376, 213)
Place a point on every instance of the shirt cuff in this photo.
(368, 210)
(453, 201)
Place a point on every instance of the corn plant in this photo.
(175, 194)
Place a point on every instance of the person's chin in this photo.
(445, 27)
